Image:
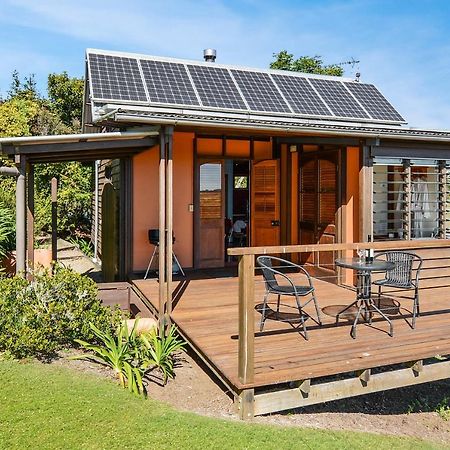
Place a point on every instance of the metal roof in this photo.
(129, 116)
(79, 147)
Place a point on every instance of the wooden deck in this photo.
(206, 312)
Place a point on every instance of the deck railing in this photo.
(246, 256)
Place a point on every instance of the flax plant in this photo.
(118, 353)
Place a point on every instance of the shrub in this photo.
(134, 356)
(7, 230)
(48, 314)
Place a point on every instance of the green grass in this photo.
(49, 407)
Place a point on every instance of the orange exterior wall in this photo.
(145, 200)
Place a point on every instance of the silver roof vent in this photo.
(209, 54)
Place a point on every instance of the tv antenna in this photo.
(352, 62)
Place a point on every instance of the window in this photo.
(410, 199)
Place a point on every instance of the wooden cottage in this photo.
(234, 162)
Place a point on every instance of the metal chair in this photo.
(289, 289)
(402, 276)
(153, 238)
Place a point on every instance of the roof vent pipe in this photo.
(209, 54)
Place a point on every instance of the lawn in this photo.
(49, 407)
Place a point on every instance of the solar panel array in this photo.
(139, 80)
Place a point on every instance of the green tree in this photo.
(306, 64)
(26, 113)
(66, 98)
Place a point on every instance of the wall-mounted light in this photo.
(292, 148)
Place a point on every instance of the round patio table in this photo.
(364, 301)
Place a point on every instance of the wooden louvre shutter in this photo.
(265, 203)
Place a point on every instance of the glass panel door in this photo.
(210, 245)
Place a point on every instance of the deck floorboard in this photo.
(206, 311)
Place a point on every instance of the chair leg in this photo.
(415, 308)
(379, 295)
(278, 305)
(263, 313)
(150, 262)
(317, 308)
(302, 317)
(305, 331)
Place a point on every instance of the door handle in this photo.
(275, 223)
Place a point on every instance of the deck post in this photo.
(162, 229)
(21, 218)
(30, 220)
(246, 368)
(169, 220)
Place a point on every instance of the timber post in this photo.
(246, 366)
(30, 220)
(21, 218)
(169, 221)
(54, 194)
(162, 230)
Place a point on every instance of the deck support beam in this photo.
(246, 404)
(352, 387)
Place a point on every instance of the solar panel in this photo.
(216, 88)
(168, 82)
(374, 103)
(116, 78)
(128, 78)
(259, 91)
(300, 95)
(338, 99)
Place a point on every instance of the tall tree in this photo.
(306, 64)
(26, 113)
(66, 98)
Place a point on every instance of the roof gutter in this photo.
(290, 130)
(28, 140)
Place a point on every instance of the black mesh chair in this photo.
(405, 275)
(153, 238)
(289, 288)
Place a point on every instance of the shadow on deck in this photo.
(206, 312)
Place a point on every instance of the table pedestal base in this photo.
(365, 304)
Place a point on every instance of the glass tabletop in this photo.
(361, 264)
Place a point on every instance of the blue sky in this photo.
(403, 46)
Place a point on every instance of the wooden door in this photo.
(210, 242)
(265, 203)
(318, 204)
(109, 234)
